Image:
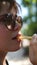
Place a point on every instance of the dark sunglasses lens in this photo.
(8, 20)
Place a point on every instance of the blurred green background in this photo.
(31, 18)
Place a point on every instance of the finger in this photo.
(34, 39)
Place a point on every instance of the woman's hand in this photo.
(33, 50)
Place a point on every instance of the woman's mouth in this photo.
(14, 38)
(17, 40)
(17, 37)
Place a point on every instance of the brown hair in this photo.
(13, 3)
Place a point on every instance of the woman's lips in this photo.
(17, 37)
(14, 38)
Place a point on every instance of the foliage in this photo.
(32, 24)
(27, 2)
(32, 28)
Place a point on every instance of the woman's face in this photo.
(7, 43)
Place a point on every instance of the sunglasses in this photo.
(10, 21)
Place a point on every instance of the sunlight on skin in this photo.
(9, 26)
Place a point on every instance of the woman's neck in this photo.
(2, 57)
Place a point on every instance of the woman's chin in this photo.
(13, 45)
(16, 47)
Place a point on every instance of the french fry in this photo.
(21, 37)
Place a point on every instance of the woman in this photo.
(33, 50)
(9, 28)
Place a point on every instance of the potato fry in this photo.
(21, 37)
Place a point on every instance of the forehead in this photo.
(4, 7)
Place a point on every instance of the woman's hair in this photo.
(13, 3)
